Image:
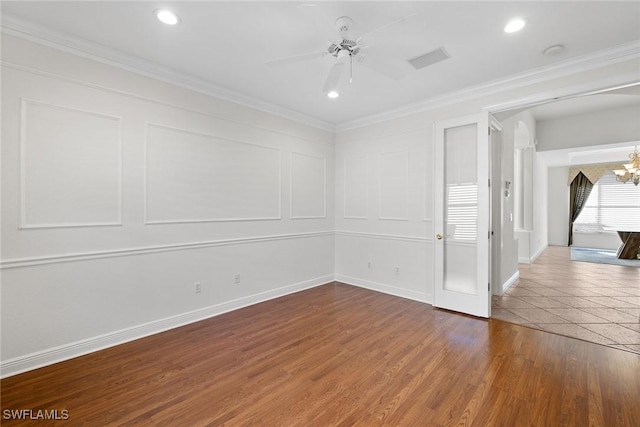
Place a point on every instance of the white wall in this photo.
(558, 206)
(120, 192)
(363, 234)
(596, 128)
(558, 216)
(104, 240)
(613, 126)
(540, 207)
(384, 205)
(508, 239)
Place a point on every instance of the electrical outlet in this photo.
(236, 278)
(397, 269)
(197, 287)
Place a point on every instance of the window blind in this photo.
(461, 214)
(611, 205)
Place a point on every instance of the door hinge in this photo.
(489, 181)
(489, 130)
(489, 286)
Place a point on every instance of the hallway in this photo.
(599, 303)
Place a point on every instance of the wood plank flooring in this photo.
(338, 355)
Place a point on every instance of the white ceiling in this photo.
(227, 44)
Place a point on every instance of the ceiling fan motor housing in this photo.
(349, 46)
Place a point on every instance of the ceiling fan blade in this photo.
(387, 25)
(334, 77)
(296, 58)
(390, 67)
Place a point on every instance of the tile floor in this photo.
(592, 302)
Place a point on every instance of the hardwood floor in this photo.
(338, 355)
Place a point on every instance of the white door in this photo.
(461, 215)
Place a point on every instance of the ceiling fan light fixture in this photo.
(514, 25)
(167, 17)
(333, 94)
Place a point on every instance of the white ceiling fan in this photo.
(348, 48)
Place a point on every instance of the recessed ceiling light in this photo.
(333, 94)
(514, 25)
(167, 17)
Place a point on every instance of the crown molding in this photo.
(94, 51)
(602, 58)
(17, 27)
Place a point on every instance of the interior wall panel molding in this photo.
(229, 170)
(304, 179)
(69, 166)
(90, 255)
(66, 79)
(393, 186)
(42, 35)
(355, 196)
(415, 239)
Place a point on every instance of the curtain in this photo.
(579, 191)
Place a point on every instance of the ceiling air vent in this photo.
(430, 58)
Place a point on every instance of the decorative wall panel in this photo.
(394, 183)
(70, 167)
(192, 177)
(356, 192)
(308, 186)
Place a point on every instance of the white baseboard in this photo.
(385, 289)
(510, 281)
(69, 351)
(524, 260)
(557, 243)
(538, 253)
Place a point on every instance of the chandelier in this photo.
(631, 171)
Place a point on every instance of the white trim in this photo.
(324, 182)
(69, 351)
(533, 258)
(558, 244)
(406, 206)
(385, 236)
(386, 289)
(62, 78)
(567, 92)
(510, 281)
(22, 206)
(538, 253)
(147, 221)
(344, 188)
(83, 256)
(605, 57)
(45, 36)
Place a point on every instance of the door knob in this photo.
(439, 236)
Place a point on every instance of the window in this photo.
(611, 206)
